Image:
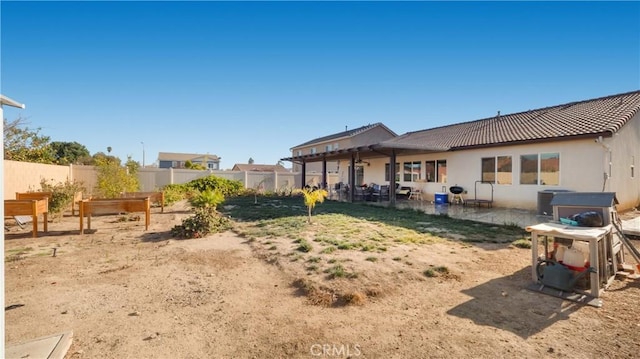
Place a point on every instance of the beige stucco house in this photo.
(178, 160)
(590, 145)
(333, 144)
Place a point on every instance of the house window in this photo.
(412, 171)
(541, 169)
(359, 173)
(441, 166)
(529, 169)
(550, 169)
(313, 150)
(430, 171)
(328, 148)
(497, 169)
(299, 153)
(336, 147)
(504, 170)
(387, 171)
(488, 169)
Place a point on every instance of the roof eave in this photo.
(4, 100)
(536, 140)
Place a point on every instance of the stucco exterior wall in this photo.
(581, 169)
(625, 164)
(369, 137)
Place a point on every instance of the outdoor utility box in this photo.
(566, 204)
(544, 201)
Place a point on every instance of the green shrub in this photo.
(207, 198)
(205, 221)
(225, 186)
(61, 195)
(173, 193)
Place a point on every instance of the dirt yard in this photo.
(130, 293)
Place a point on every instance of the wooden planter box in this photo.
(28, 207)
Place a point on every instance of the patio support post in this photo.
(352, 177)
(324, 173)
(392, 178)
(304, 174)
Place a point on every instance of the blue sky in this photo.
(252, 79)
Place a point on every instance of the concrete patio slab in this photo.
(49, 347)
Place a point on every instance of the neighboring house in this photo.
(178, 160)
(587, 146)
(258, 168)
(333, 144)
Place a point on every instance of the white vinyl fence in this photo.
(25, 176)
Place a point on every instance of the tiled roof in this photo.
(259, 168)
(344, 134)
(170, 156)
(582, 118)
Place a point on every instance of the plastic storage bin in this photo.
(441, 197)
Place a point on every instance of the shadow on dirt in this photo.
(154, 237)
(29, 234)
(505, 303)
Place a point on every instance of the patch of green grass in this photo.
(522, 243)
(19, 250)
(366, 247)
(273, 247)
(314, 259)
(332, 260)
(430, 273)
(338, 271)
(441, 269)
(357, 225)
(397, 259)
(346, 245)
(304, 246)
(328, 250)
(435, 271)
(312, 268)
(372, 259)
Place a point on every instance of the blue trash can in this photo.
(441, 197)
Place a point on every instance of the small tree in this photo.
(205, 219)
(65, 153)
(113, 178)
(312, 197)
(194, 166)
(24, 144)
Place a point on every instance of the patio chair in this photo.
(382, 194)
(416, 193)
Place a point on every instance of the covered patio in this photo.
(357, 156)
